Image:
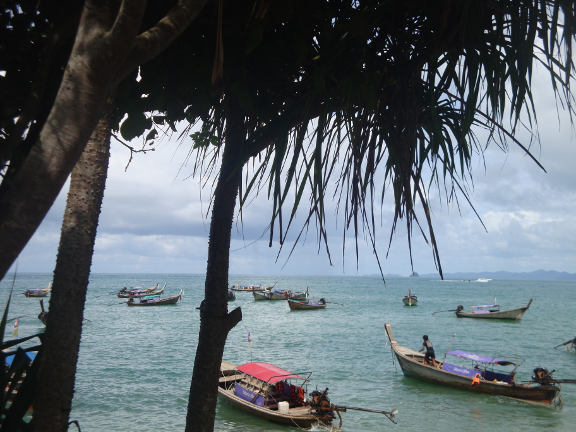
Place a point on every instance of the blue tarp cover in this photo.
(475, 357)
(10, 359)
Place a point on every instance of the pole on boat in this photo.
(565, 343)
(449, 310)
(391, 415)
(451, 340)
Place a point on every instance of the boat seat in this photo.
(236, 377)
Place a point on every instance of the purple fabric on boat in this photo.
(475, 357)
(243, 393)
(459, 370)
(481, 311)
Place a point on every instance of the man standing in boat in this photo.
(429, 351)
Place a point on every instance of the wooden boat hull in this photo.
(413, 301)
(302, 305)
(412, 365)
(158, 302)
(510, 314)
(300, 416)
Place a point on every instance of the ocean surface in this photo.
(135, 364)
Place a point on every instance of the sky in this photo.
(155, 218)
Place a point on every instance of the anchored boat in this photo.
(155, 300)
(38, 292)
(306, 304)
(277, 294)
(274, 394)
(249, 288)
(410, 299)
(478, 375)
(138, 292)
(492, 312)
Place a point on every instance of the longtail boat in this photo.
(306, 304)
(277, 294)
(492, 312)
(410, 299)
(480, 376)
(155, 300)
(137, 292)
(268, 392)
(249, 288)
(38, 292)
(43, 316)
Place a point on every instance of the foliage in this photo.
(335, 90)
(19, 379)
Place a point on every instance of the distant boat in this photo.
(492, 312)
(483, 280)
(277, 294)
(307, 304)
(480, 376)
(410, 299)
(249, 288)
(138, 292)
(38, 292)
(231, 295)
(414, 275)
(155, 300)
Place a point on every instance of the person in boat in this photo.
(429, 351)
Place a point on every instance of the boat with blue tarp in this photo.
(279, 294)
(478, 373)
(280, 396)
(138, 292)
(38, 292)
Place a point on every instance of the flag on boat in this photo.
(249, 339)
(15, 328)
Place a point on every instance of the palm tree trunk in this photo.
(64, 328)
(215, 321)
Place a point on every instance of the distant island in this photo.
(550, 275)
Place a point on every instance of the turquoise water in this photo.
(135, 364)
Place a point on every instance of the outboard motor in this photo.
(542, 376)
(459, 308)
(320, 402)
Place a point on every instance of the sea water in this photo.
(135, 364)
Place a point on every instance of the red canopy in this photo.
(266, 372)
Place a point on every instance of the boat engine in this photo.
(459, 308)
(320, 402)
(542, 376)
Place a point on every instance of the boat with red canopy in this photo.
(280, 396)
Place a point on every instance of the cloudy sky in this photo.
(154, 218)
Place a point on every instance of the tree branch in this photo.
(153, 41)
